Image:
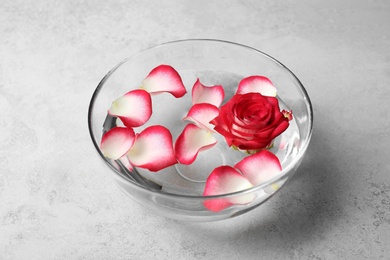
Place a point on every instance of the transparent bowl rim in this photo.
(280, 176)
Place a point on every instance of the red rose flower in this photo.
(250, 121)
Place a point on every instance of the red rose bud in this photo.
(250, 121)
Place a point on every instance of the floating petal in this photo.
(117, 142)
(259, 167)
(207, 94)
(223, 180)
(202, 114)
(164, 78)
(191, 141)
(153, 149)
(134, 108)
(259, 84)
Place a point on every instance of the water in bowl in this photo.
(169, 111)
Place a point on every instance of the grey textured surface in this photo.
(57, 200)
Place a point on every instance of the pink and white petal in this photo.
(191, 141)
(164, 78)
(259, 167)
(134, 108)
(224, 180)
(202, 114)
(259, 84)
(117, 142)
(207, 94)
(153, 149)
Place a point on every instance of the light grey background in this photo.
(57, 200)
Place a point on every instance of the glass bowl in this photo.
(176, 192)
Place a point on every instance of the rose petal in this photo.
(153, 149)
(207, 94)
(191, 141)
(116, 142)
(202, 114)
(134, 108)
(164, 78)
(250, 145)
(223, 180)
(259, 167)
(258, 84)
